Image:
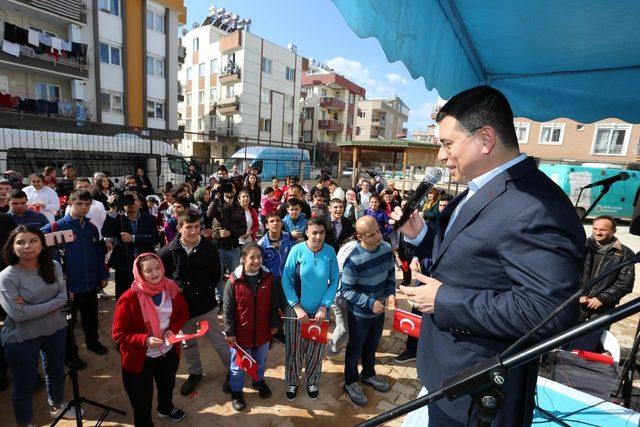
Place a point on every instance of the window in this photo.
(288, 101)
(155, 66)
(611, 139)
(189, 99)
(201, 69)
(214, 66)
(110, 6)
(266, 65)
(200, 124)
(47, 91)
(307, 135)
(290, 129)
(362, 114)
(352, 98)
(213, 95)
(231, 91)
(155, 110)
(323, 92)
(201, 97)
(359, 130)
(155, 22)
(265, 125)
(290, 74)
(196, 44)
(522, 132)
(309, 91)
(189, 70)
(551, 133)
(338, 95)
(308, 113)
(111, 102)
(109, 54)
(4, 83)
(266, 96)
(187, 124)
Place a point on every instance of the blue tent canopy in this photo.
(552, 58)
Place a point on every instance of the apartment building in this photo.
(605, 141)
(329, 108)
(97, 64)
(238, 89)
(425, 135)
(381, 119)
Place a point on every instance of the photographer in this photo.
(132, 233)
(229, 223)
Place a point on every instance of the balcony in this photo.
(182, 54)
(331, 125)
(379, 121)
(228, 106)
(230, 75)
(44, 62)
(231, 42)
(331, 103)
(71, 10)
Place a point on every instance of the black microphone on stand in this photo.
(432, 177)
(622, 176)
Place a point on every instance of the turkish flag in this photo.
(407, 323)
(312, 332)
(247, 363)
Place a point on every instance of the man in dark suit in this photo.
(507, 252)
(339, 228)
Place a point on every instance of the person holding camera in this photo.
(85, 271)
(229, 224)
(131, 233)
(33, 293)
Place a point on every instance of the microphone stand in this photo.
(78, 399)
(483, 382)
(605, 190)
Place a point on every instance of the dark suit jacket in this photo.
(513, 254)
(145, 240)
(346, 232)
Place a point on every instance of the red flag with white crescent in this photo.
(313, 332)
(247, 363)
(407, 323)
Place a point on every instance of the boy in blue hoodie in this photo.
(85, 272)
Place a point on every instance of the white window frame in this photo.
(213, 95)
(202, 71)
(195, 44)
(553, 127)
(201, 97)
(187, 124)
(307, 133)
(265, 125)
(230, 91)
(189, 99)
(106, 6)
(157, 21)
(290, 74)
(266, 96)
(47, 89)
(111, 56)
(112, 96)
(189, 73)
(527, 127)
(155, 104)
(266, 65)
(200, 124)
(213, 64)
(362, 114)
(158, 66)
(613, 127)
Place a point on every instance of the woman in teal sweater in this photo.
(310, 281)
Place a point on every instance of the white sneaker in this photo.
(54, 412)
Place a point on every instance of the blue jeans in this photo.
(364, 337)
(229, 260)
(237, 374)
(23, 362)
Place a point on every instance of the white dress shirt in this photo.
(46, 196)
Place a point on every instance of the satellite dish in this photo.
(184, 31)
(212, 10)
(195, 25)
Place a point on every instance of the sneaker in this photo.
(76, 363)
(377, 383)
(226, 385)
(292, 392)
(237, 401)
(405, 357)
(175, 415)
(190, 384)
(356, 394)
(263, 389)
(55, 411)
(98, 348)
(312, 391)
(333, 350)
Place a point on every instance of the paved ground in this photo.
(101, 381)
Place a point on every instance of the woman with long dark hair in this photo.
(33, 293)
(252, 186)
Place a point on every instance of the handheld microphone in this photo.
(622, 176)
(431, 178)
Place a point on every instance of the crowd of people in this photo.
(257, 261)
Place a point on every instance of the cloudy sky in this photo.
(320, 32)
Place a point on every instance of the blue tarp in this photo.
(578, 59)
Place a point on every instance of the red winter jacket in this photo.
(253, 311)
(130, 332)
(255, 226)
